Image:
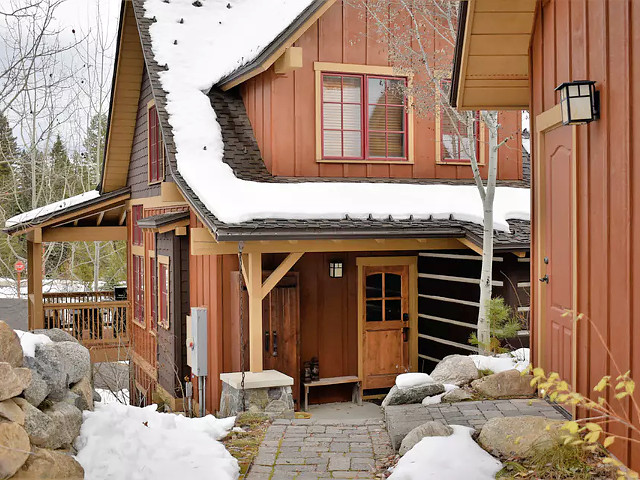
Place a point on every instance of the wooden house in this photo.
(370, 295)
(584, 206)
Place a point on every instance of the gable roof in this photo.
(491, 57)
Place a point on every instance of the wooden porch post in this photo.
(34, 283)
(254, 288)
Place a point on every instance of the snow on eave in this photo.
(199, 46)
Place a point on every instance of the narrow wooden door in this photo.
(386, 324)
(557, 266)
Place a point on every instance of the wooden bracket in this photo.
(290, 60)
(280, 272)
(469, 244)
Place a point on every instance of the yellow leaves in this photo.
(630, 386)
(608, 441)
(604, 381)
(593, 427)
(538, 372)
(572, 426)
(592, 437)
(621, 395)
(517, 440)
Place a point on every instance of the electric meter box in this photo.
(198, 341)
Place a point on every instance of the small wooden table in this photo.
(323, 382)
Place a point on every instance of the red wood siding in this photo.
(595, 40)
(282, 109)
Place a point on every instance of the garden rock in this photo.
(50, 464)
(38, 425)
(455, 369)
(456, 395)
(10, 348)
(13, 380)
(37, 390)
(96, 397)
(76, 360)
(510, 383)
(56, 335)
(515, 436)
(16, 440)
(403, 396)
(47, 363)
(429, 429)
(85, 393)
(10, 410)
(67, 420)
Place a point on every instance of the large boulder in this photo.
(403, 396)
(10, 348)
(455, 369)
(67, 420)
(9, 410)
(50, 464)
(456, 395)
(38, 425)
(16, 448)
(509, 437)
(76, 360)
(510, 383)
(37, 390)
(85, 393)
(13, 380)
(429, 429)
(56, 335)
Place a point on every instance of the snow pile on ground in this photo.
(119, 396)
(30, 341)
(121, 441)
(413, 379)
(435, 399)
(234, 33)
(518, 359)
(51, 208)
(456, 457)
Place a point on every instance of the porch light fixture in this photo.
(579, 102)
(335, 269)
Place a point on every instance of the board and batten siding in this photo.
(598, 40)
(282, 109)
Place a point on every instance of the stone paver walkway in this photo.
(401, 419)
(308, 449)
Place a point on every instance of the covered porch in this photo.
(97, 319)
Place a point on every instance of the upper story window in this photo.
(156, 146)
(136, 231)
(457, 144)
(363, 117)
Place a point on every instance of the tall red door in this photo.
(557, 269)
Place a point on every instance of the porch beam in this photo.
(203, 243)
(254, 270)
(34, 285)
(280, 272)
(123, 216)
(84, 234)
(100, 218)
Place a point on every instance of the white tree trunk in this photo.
(484, 331)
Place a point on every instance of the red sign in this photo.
(19, 266)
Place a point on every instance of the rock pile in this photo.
(41, 402)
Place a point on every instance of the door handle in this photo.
(275, 343)
(266, 340)
(405, 334)
(545, 279)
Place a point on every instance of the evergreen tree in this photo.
(94, 143)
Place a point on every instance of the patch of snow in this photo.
(449, 386)
(182, 34)
(456, 457)
(518, 359)
(433, 399)
(51, 208)
(413, 379)
(30, 341)
(121, 441)
(8, 286)
(107, 396)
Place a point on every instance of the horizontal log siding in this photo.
(598, 40)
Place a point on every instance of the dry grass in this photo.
(244, 445)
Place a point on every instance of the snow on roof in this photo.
(51, 208)
(200, 45)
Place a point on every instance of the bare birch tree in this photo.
(420, 36)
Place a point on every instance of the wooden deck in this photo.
(95, 319)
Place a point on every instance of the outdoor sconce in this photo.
(579, 102)
(335, 269)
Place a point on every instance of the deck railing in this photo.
(95, 319)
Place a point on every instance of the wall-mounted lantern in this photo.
(579, 102)
(335, 269)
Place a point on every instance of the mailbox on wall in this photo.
(197, 341)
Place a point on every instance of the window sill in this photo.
(155, 182)
(457, 163)
(139, 324)
(367, 162)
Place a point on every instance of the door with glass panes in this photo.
(385, 324)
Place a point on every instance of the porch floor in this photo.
(338, 441)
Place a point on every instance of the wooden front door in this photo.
(386, 317)
(557, 281)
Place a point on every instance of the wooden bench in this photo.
(323, 382)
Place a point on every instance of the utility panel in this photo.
(197, 341)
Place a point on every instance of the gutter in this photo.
(457, 55)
